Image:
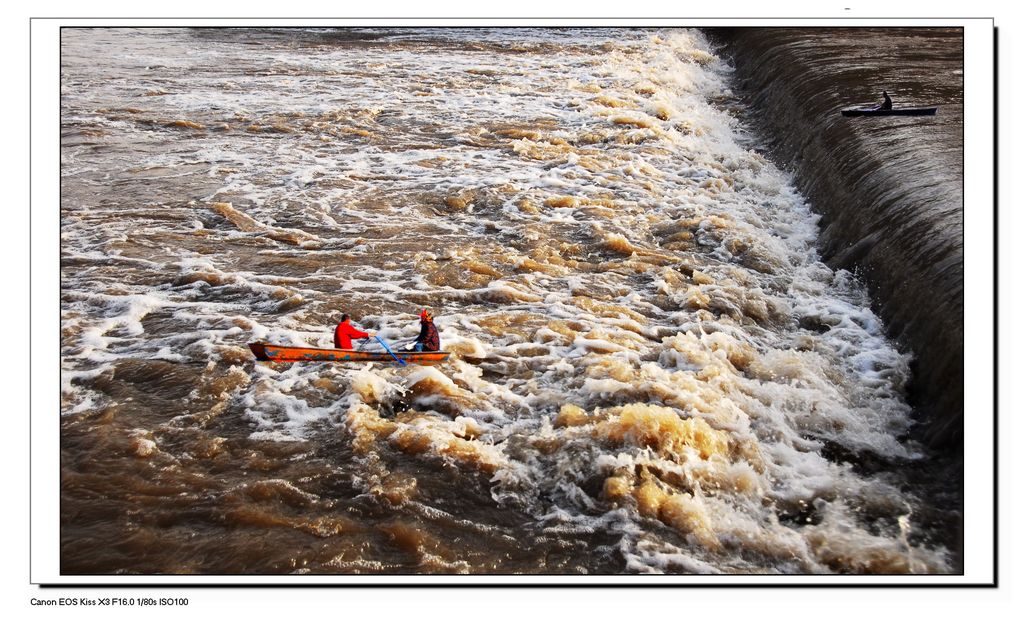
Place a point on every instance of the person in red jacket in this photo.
(428, 340)
(344, 333)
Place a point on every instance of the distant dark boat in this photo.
(894, 112)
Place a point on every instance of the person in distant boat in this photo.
(887, 104)
(345, 332)
(428, 340)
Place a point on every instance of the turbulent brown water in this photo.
(653, 370)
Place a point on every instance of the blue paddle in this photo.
(388, 349)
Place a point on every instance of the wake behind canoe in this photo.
(898, 112)
(275, 353)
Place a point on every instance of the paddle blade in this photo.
(388, 349)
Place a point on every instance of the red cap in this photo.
(425, 314)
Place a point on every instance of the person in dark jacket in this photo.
(428, 340)
(345, 332)
(887, 104)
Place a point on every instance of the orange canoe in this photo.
(274, 353)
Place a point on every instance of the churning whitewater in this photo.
(652, 370)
